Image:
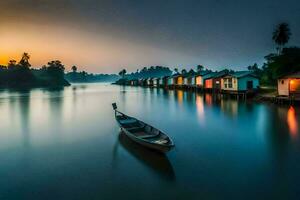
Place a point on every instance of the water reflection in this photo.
(179, 96)
(49, 137)
(24, 106)
(157, 162)
(208, 99)
(200, 107)
(230, 107)
(292, 121)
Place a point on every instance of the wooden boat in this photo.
(143, 133)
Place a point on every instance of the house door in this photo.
(249, 85)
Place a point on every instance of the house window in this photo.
(282, 82)
(229, 82)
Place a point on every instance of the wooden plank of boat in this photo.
(143, 133)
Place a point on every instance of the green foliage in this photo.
(24, 62)
(84, 77)
(19, 75)
(74, 69)
(55, 69)
(122, 72)
(150, 72)
(278, 65)
(200, 68)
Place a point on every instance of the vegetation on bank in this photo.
(84, 77)
(21, 75)
(146, 72)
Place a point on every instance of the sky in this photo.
(105, 36)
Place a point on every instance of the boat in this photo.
(143, 133)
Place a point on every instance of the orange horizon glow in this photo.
(88, 50)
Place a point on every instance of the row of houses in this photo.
(240, 81)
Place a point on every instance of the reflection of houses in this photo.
(230, 108)
(241, 81)
(289, 85)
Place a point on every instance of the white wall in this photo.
(225, 81)
(283, 87)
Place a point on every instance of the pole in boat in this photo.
(115, 107)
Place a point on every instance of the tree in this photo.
(183, 71)
(253, 67)
(122, 72)
(24, 62)
(191, 72)
(176, 70)
(281, 36)
(12, 64)
(74, 69)
(55, 69)
(200, 68)
(286, 62)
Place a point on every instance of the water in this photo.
(65, 144)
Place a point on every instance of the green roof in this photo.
(240, 74)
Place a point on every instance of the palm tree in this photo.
(12, 64)
(281, 36)
(74, 69)
(183, 71)
(176, 70)
(200, 68)
(191, 72)
(24, 62)
(122, 72)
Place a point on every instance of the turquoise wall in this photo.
(242, 82)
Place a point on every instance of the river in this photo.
(65, 144)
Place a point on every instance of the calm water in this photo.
(65, 144)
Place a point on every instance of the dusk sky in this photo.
(103, 36)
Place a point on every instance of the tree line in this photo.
(20, 74)
(76, 76)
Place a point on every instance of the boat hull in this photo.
(146, 144)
